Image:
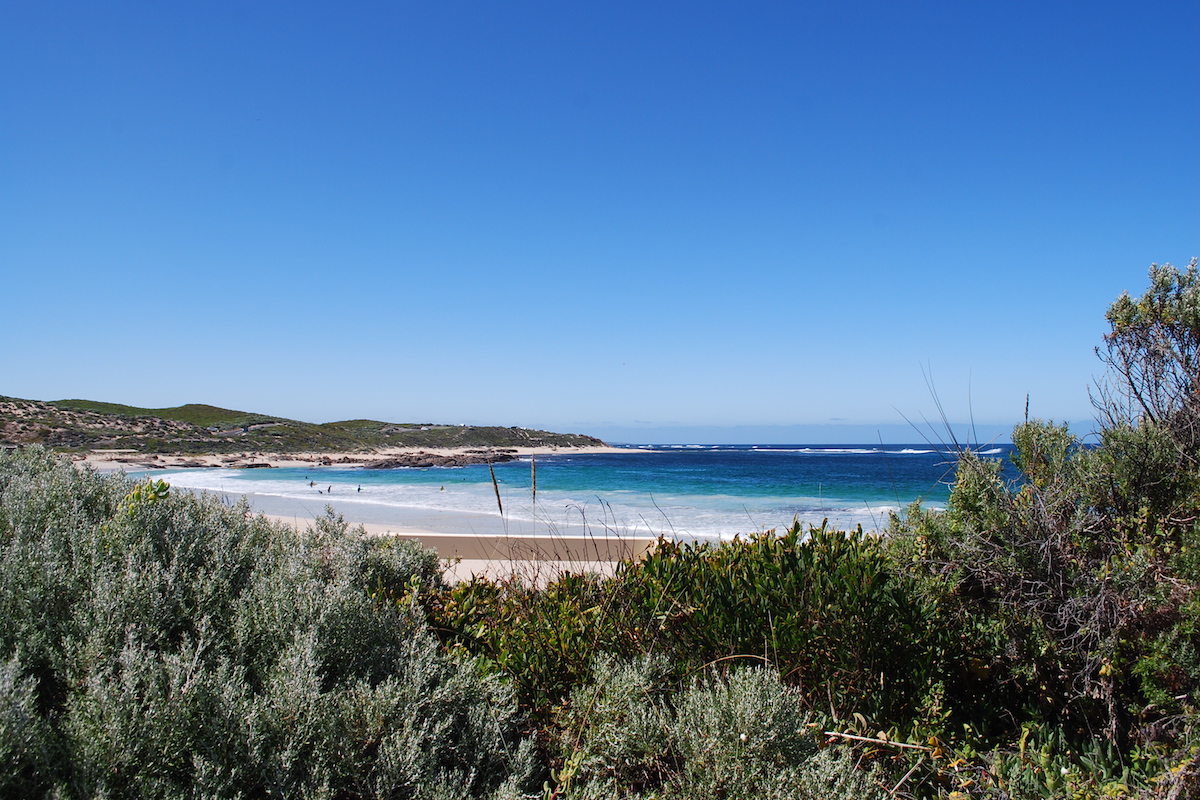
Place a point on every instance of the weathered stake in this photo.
(496, 486)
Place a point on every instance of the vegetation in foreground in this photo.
(1037, 638)
(75, 425)
(169, 646)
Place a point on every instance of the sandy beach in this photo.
(111, 460)
(474, 545)
(536, 558)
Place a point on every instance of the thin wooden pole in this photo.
(496, 486)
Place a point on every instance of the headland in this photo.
(115, 436)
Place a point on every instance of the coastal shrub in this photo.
(741, 732)
(1073, 589)
(1089, 625)
(542, 638)
(825, 609)
(613, 735)
(27, 746)
(634, 733)
(1152, 351)
(168, 645)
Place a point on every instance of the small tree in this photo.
(1153, 352)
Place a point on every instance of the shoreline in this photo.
(469, 544)
(535, 558)
(112, 460)
(672, 495)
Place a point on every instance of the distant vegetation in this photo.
(1039, 638)
(194, 413)
(76, 425)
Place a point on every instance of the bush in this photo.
(743, 733)
(27, 746)
(165, 645)
(1070, 591)
(1153, 354)
(826, 609)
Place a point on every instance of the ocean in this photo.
(679, 491)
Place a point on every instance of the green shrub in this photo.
(743, 733)
(614, 732)
(27, 745)
(167, 645)
(543, 639)
(1069, 595)
(824, 608)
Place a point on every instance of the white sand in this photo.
(478, 545)
(537, 558)
(109, 460)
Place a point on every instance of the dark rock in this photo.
(424, 460)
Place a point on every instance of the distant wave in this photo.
(699, 489)
(817, 450)
(472, 505)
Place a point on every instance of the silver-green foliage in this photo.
(26, 741)
(160, 644)
(742, 734)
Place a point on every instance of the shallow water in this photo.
(679, 490)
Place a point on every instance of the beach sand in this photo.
(536, 558)
(111, 460)
(470, 544)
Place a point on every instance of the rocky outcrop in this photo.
(461, 459)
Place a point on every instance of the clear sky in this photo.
(648, 221)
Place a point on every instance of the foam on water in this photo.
(626, 512)
(683, 491)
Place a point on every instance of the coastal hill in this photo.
(194, 429)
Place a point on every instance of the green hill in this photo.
(78, 425)
(195, 413)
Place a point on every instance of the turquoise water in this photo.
(683, 490)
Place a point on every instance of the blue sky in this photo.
(647, 221)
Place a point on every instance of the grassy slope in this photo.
(195, 413)
(195, 428)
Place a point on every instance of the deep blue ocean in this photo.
(675, 490)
